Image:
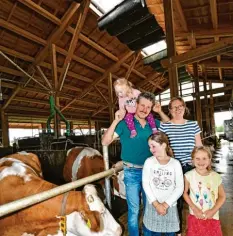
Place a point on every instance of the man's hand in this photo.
(157, 107)
(120, 114)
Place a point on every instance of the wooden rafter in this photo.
(178, 9)
(218, 60)
(149, 78)
(47, 65)
(227, 64)
(214, 14)
(111, 69)
(18, 73)
(43, 76)
(224, 31)
(101, 94)
(73, 44)
(217, 90)
(82, 37)
(200, 53)
(54, 66)
(11, 97)
(55, 36)
(132, 64)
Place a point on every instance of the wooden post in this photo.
(43, 127)
(198, 100)
(171, 50)
(111, 103)
(206, 105)
(89, 125)
(212, 121)
(57, 123)
(5, 130)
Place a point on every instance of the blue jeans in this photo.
(133, 187)
(147, 232)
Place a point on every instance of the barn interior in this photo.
(59, 59)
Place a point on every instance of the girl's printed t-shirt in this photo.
(129, 103)
(204, 190)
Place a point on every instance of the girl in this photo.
(206, 196)
(127, 97)
(162, 181)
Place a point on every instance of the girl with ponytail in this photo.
(162, 180)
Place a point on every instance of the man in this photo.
(134, 152)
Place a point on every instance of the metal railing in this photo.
(42, 196)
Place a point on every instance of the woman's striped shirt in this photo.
(181, 138)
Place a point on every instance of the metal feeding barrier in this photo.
(39, 197)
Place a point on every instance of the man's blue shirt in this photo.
(135, 150)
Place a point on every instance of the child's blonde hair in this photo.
(161, 138)
(122, 81)
(205, 149)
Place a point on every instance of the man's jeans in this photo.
(147, 232)
(133, 187)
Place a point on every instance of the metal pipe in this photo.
(64, 119)
(18, 67)
(39, 197)
(107, 180)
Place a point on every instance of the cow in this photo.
(85, 161)
(77, 214)
(82, 162)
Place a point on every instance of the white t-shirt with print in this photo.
(163, 183)
(204, 190)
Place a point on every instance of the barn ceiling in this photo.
(60, 47)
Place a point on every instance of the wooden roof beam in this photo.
(74, 41)
(31, 89)
(132, 64)
(179, 10)
(11, 98)
(200, 53)
(45, 65)
(53, 38)
(111, 69)
(214, 14)
(82, 37)
(224, 31)
(226, 64)
(214, 91)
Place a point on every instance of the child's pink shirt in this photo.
(129, 103)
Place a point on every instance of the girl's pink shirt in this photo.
(129, 103)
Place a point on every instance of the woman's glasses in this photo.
(180, 107)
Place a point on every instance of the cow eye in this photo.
(90, 199)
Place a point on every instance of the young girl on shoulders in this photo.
(127, 97)
(206, 196)
(162, 181)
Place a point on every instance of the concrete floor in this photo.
(223, 164)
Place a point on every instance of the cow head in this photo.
(78, 226)
(92, 199)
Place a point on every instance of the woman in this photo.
(183, 136)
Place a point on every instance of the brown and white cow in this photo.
(86, 215)
(82, 162)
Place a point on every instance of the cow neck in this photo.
(76, 201)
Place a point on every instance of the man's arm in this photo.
(158, 109)
(110, 135)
